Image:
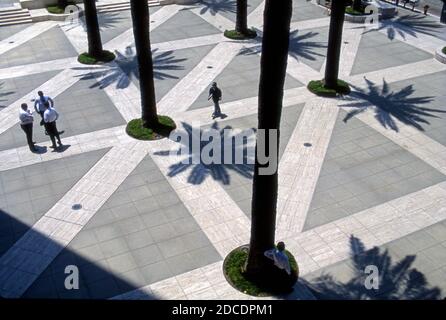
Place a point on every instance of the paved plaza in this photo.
(362, 178)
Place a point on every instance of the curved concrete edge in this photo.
(440, 56)
(39, 15)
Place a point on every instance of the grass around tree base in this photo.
(137, 131)
(235, 35)
(318, 88)
(233, 270)
(106, 56)
(55, 9)
(353, 12)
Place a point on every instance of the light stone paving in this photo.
(25, 35)
(219, 217)
(301, 163)
(419, 40)
(30, 255)
(21, 157)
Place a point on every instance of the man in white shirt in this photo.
(50, 116)
(279, 257)
(26, 123)
(39, 103)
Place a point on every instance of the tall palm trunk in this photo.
(93, 33)
(241, 24)
(443, 12)
(62, 3)
(141, 22)
(275, 44)
(334, 43)
(357, 4)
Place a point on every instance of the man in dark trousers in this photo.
(215, 94)
(49, 117)
(26, 123)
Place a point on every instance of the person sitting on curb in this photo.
(279, 257)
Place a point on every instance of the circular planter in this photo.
(232, 270)
(440, 56)
(356, 18)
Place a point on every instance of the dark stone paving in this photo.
(237, 179)
(113, 24)
(27, 193)
(363, 169)
(413, 267)
(309, 46)
(183, 25)
(169, 67)
(239, 80)
(81, 109)
(426, 95)
(143, 234)
(305, 10)
(7, 31)
(50, 45)
(13, 89)
(226, 8)
(396, 53)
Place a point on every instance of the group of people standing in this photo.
(44, 106)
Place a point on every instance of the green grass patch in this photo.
(444, 50)
(106, 56)
(233, 270)
(318, 88)
(137, 131)
(235, 35)
(354, 12)
(55, 9)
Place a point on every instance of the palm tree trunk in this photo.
(93, 32)
(275, 44)
(141, 23)
(241, 24)
(443, 13)
(334, 43)
(357, 4)
(62, 3)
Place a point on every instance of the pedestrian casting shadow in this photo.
(200, 170)
(4, 94)
(301, 47)
(398, 280)
(389, 105)
(222, 116)
(409, 25)
(40, 149)
(214, 6)
(95, 282)
(126, 68)
(62, 148)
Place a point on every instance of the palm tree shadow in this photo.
(300, 46)
(409, 25)
(214, 6)
(4, 94)
(126, 68)
(218, 170)
(396, 280)
(389, 105)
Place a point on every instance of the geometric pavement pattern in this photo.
(357, 175)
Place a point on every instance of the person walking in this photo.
(215, 94)
(50, 117)
(26, 123)
(39, 104)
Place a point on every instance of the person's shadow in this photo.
(40, 149)
(221, 116)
